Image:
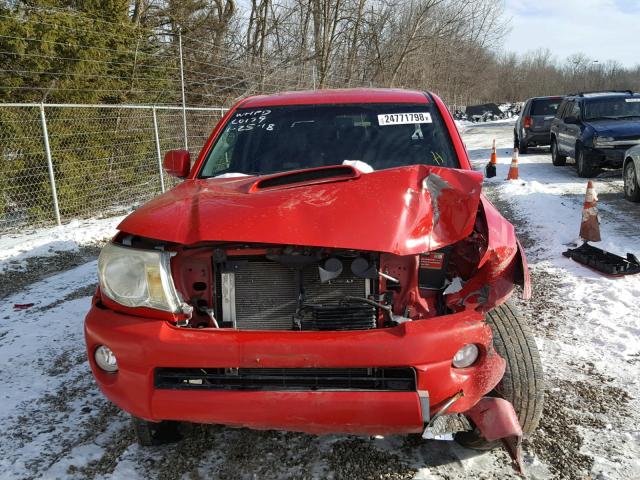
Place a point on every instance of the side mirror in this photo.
(177, 163)
(571, 120)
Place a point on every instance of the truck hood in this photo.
(616, 128)
(403, 210)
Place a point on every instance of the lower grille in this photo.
(342, 317)
(287, 379)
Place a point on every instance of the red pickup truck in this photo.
(328, 265)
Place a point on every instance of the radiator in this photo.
(262, 295)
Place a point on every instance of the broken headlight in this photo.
(138, 278)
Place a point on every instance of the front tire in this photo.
(557, 159)
(631, 186)
(151, 434)
(584, 165)
(523, 383)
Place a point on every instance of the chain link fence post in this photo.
(184, 105)
(47, 151)
(108, 158)
(157, 137)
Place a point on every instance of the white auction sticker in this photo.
(632, 100)
(403, 118)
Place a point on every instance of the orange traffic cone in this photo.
(590, 227)
(490, 168)
(513, 169)
(494, 155)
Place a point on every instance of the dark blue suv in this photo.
(595, 128)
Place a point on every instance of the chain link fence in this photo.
(63, 162)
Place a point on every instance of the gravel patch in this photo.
(37, 268)
(87, 291)
(358, 459)
(65, 362)
(544, 309)
(71, 416)
(568, 406)
(107, 463)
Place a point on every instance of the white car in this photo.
(631, 174)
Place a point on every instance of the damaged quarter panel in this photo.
(502, 265)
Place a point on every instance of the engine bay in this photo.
(249, 287)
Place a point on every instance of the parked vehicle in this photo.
(595, 128)
(459, 115)
(533, 126)
(280, 286)
(631, 174)
(511, 109)
(484, 112)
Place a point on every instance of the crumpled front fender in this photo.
(502, 266)
(495, 418)
(521, 273)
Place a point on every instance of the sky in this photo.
(601, 29)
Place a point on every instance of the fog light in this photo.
(466, 356)
(106, 359)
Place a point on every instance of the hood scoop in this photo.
(309, 176)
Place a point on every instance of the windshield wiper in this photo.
(629, 116)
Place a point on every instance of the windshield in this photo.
(545, 106)
(268, 140)
(616, 107)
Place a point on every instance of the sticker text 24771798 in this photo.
(403, 118)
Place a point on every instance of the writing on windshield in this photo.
(267, 140)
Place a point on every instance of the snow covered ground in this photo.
(587, 325)
(17, 248)
(56, 424)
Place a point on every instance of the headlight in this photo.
(603, 141)
(138, 278)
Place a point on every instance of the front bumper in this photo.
(607, 157)
(142, 345)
